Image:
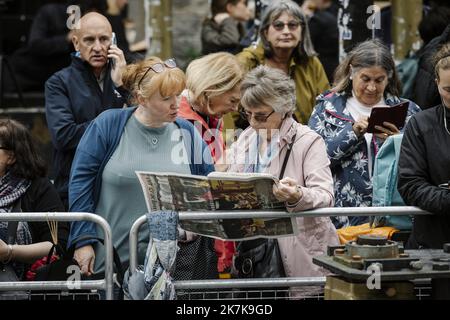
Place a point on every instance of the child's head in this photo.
(235, 8)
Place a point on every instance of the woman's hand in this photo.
(388, 129)
(287, 190)
(360, 127)
(85, 256)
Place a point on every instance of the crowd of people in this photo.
(108, 119)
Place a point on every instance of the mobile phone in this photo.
(113, 42)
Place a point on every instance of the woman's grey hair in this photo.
(367, 54)
(305, 48)
(269, 87)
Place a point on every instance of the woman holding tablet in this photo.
(366, 78)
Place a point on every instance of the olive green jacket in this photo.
(310, 79)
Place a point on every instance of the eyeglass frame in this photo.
(164, 64)
(244, 114)
(297, 22)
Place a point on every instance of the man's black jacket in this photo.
(425, 164)
(426, 94)
(73, 99)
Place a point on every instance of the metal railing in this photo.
(106, 283)
(263, 283)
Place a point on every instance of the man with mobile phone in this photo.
(76, 95)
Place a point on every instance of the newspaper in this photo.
(219, 191)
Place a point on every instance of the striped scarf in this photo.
(11, 190)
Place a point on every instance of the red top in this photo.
(211, 131)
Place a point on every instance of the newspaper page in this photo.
(228, 192)
(243, 191)
(242, 229)
(176, 192)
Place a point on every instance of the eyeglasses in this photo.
(258, 117)
(159, 67)
(279, 25)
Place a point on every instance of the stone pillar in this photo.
(158, 17)
(406, 16)
(188, 16)
(136, 13)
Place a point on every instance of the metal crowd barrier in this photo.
(262, 283)
(106, 283)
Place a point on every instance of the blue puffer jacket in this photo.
(94, 151)
(348, 153)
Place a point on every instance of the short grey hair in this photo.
(270, 87)
(305, 48)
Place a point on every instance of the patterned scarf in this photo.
(260, 163)
(153, 280)
(12, 189)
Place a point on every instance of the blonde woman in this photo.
(212, 90)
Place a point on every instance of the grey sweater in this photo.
(121, 199)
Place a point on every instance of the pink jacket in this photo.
(309, 165)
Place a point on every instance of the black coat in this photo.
(424, 164)
(48, 49)
(325, 38)
(46, 52)
(41, 196)
(72, 100)
(426, 94)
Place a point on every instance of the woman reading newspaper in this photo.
(268, 99)
(212, 91)
(121, 141)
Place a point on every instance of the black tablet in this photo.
(395, 114)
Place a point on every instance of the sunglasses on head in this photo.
(279, 25)
(159, 67)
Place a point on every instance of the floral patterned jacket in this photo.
(348, 153)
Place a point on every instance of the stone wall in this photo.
(187, 18)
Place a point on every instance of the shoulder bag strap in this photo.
(286, 157)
